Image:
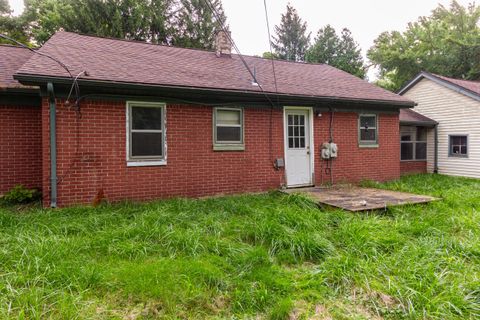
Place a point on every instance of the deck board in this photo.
(356, 199)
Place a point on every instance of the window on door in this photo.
(296, 131)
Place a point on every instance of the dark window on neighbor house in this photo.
(413, 143)
(368, 129)
(146, 131)
(458, 146)
(228, 126)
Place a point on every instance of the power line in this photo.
(74, 79)
(37, 52)
(222, 25)
(271, 50)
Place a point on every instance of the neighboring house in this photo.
(156, 121)
(455, 106)
(20, 124)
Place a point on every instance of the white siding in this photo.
(456, 114)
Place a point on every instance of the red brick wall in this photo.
(20, 147)
(92, 153)
(354, 163)
(413, 167)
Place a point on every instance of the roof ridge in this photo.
(184, 48)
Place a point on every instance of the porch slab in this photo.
(356, 199)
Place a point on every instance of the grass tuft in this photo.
(267, 255)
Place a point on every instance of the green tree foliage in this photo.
(188, 23)
(11, 26)
(196, 25)
(338, 51)
(291, 41)
(146, 20)
(4, 7)
(447, 42)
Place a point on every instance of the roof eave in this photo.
(32, 79)
(419, 123)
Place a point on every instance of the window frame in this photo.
(454, 155)
(229, 145)
(414, 145)
(367, 143)
(138, 161)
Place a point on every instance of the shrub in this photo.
(19, 195)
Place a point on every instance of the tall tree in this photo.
(291, 40)
(196, 24)
(4, 7)
(338, 51)
(447, 42)
(127, 19)
(188, 23)
(10, 25)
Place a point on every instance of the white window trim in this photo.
(229, 145)
(367, 143)
(146, 161)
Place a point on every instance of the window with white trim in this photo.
(458, 146)
(146, 131)
(413, 143)
(368, 133)
(228, 128)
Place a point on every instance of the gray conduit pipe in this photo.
(53, 146)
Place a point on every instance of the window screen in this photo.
(413, 143)
(458, 146)
(146, 131)
(368, 129)
(228, 126)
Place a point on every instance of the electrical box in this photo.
(329, 150)
(279, 163)
(333, 150)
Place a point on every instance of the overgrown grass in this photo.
(268, 256)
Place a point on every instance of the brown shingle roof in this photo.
(408, 116)
(473, 86)
(11, 59)
(140, 63)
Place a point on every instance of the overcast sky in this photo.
(365, 18)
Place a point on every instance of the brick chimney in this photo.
(223, 46)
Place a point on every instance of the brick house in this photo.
(152, 121)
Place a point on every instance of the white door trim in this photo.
(311, 140)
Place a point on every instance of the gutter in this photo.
(35, 80)
(53, 146)
(435, 152)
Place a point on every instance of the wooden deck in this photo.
(360, 199)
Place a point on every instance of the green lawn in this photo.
(255, 256)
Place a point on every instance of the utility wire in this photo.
(222, 25)
(271, 50)
(37, 52)
(74, 84)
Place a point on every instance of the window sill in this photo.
(228, 147)
(368, 145)
(461, 156)
(414, 160)
(146, 163)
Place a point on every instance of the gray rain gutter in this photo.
(53, 146)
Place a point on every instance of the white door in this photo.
(298, 164)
